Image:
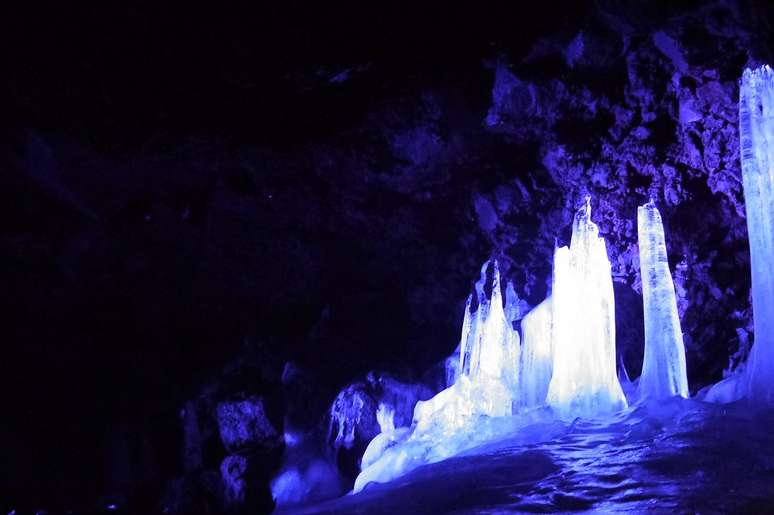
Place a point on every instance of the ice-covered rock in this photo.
(352, 417)
(663, 368)
(353, 420)
(584, 380)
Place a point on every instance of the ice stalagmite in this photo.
(756, 134)
(663, 369)
(485, 387)
(537, 357)
(584, 380)
(491, 346)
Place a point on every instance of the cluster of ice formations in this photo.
(485, 379)
(564, 364)
(489, 347)
(499, 386)
(663, 368)
(584, 380)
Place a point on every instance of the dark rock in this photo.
(352, 416)
(233, 472)
(244, 426)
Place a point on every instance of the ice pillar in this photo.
(584, 380)
(756, 134)
(537, 356)
(663, 369)
(489, 346)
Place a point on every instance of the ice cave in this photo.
(553, 383)
(381, 258)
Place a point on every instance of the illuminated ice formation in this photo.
(663, 368)
(584, 380)
(452, 367)
(568, 361)
(388, 436)
(485, 387)
(756, 135)
(489, 347)
(537, 356)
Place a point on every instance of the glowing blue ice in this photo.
(584, 380)
(491, 348)
(537, 355)
(486, 386)
(756, 134)
(663, 369)
(568, 360)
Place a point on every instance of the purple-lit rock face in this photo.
(651, 116)
(232, 472)
(352, 417)
(244, 426)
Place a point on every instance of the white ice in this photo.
(584, 380)
(499, 388)
(663, 368)
(756, 135)
(485, 386)
(491, 348)
(537, 355)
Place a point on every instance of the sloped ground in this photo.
(682, 456)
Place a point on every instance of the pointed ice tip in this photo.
(484, 268)
(584, 212)
(759, 73)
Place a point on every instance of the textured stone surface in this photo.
(244, 426)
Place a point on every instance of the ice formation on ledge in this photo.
(756, 135)
(485, 386)
(568, 361)
(584, 380)
(663, 368)
(490, 349)
(537, 355)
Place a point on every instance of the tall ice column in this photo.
(663, 369)
(584, 380)
(756, 134)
